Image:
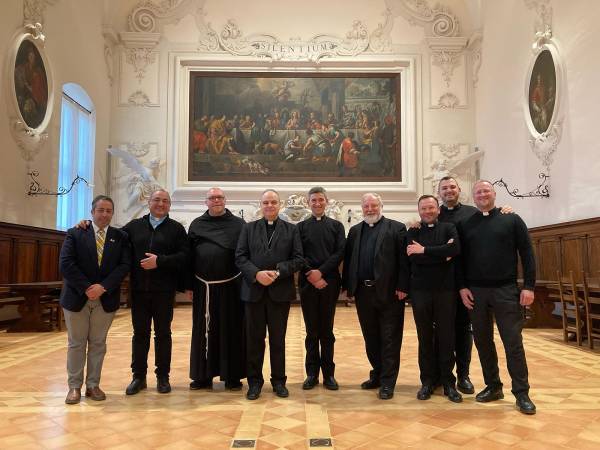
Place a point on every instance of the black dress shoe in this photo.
(253, 391)
(525, 404)
(162, 385)
(136, 385)
(200, 384)
(386, 392)
(425, 392)
(452, 394)
(233, 385)
(280, 390)
(330, 383)
(370, 384)
(490, 394)
(310, 382)
(465, 386)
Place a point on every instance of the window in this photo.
(77, 138)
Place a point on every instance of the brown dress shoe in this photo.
(73, 397)
(95, 393)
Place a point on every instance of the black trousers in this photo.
(149, 308)
(318, 309)
(463, 341)
(260, 316)
(382, 327)
(434, 313)
(501, 303)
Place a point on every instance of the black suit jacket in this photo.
(390, 264)
(253, 254)
(79, 267)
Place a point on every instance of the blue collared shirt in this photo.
(155, 221)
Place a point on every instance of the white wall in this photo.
(74, 48)
(501, 129)
(432, 125)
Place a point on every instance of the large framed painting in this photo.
(542, 91)
(31, 86)
(294, 127)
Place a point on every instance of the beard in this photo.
(372, 218)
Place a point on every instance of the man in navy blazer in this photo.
(93, 262)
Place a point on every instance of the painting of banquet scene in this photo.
(293, 128)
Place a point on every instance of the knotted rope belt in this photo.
(207, 298)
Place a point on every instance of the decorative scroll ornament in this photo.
(381, 40)
(35, 188)
(320, 46)
(148, 16)
(474, 47)
(447, 61)
(33, 11)
(543, 12)
(30, 141)
(140, 59)
(544, 145)
(139, 149)
(139, 98)
(541, 191)
(448, 101)
(439, 19)
(449, 150)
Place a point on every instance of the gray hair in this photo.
(374, 195)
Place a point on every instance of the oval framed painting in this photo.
(542, 90)
(31, 83)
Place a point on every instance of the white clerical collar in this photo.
(431, 225)
(485, 213)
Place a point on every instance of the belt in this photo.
(207, 298)
(368, 283)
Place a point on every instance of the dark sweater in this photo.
(169, 241)
(431, 270)
(490, 244)
(323, 244)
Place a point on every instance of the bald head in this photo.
(215, 201)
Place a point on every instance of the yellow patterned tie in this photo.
(100, 245)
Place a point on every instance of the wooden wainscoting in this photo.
(29, 254)
(567, 246)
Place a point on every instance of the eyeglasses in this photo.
(216, 198)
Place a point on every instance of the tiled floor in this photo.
(565, 386)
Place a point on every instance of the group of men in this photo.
(458, 262)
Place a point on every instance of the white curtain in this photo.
(76, 158)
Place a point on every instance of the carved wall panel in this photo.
(448, 68)
(455, 160)
(139, 77)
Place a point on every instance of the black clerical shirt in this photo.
(457, 213)
(323, 240)
(432, 270)
(490, 243)
(270, 230)
(366, 256)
